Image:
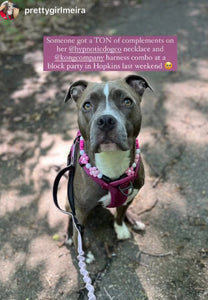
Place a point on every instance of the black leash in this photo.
(55, 187)
(70, 168)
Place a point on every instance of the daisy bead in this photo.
(129, 171)
(84, 159)
(94, 171)
(95, 174)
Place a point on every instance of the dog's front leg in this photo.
(120, 226)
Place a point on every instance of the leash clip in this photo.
(129, 193)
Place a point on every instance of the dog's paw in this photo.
(132, 218)
(90, 258)
(122, 231)
(139, 226)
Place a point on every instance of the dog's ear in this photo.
(138, 83)
(75, 90)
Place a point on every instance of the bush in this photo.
(26, 3)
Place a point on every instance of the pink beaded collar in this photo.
(84, 160)
(120, 189)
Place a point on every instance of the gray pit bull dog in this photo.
(109, 118)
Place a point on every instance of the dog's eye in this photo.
(87, 106)
(127, 102)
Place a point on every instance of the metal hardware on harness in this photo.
(129, 193)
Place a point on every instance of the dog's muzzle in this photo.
(108, 134)
(106, 123)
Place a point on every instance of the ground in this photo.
(37, 129)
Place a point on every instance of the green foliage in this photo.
(9, 27)
(26, 3)
(6, 23)
(43, 21)
(18, 37)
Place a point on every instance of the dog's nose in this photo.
(106, 122)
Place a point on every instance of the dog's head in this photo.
(109, 114)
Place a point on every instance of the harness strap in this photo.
(120, 189)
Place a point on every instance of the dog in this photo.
(109, 120)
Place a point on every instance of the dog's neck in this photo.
(112, 163)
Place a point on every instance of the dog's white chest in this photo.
(113, 163)
(105, 200)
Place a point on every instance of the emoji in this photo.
(168, 65)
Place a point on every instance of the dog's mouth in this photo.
(108, 141)
(108, 147)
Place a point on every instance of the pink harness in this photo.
(119, 189)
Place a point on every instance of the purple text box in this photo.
(110, 53)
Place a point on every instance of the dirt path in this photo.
(36, 131)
